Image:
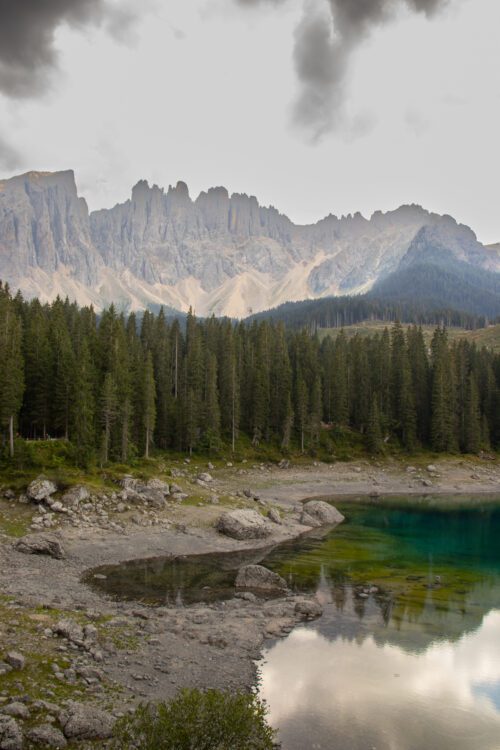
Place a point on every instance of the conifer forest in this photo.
(117, 387)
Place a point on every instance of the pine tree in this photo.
(374, 442)
(212, 410)
(83, 407)
(108, 413)
(472, 418)
(148, 402)
(11, 366)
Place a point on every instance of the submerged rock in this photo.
(317, 513)
(41, 544)
(308, 608)
(259, 578)
(243, 524)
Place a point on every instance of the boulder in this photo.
(308, 608)
(11, 737)
(15, 659)
(158, 485)
(80, 721)
(40, 489)
(71, 630)
(46, 735)
(41, 544)
(243, 524)
(76, 495)
(317, 513)
(259, 578)
(16, 709)
(156, 498)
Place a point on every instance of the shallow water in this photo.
(407, 653)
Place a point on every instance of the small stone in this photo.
(274, 516)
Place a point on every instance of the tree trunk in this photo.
(11, 435)
(146, 454)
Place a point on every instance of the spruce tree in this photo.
(148, 403)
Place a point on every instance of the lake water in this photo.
(407, 653)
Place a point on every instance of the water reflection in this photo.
(351, 694)
(407, 654)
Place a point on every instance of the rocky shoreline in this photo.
(83, 653)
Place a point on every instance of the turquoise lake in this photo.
(407, 653)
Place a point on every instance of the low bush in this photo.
(198, 720)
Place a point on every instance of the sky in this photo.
(314, 106)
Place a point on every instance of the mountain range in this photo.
(220, 253)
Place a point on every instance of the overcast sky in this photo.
(303, 103)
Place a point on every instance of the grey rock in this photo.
(76, 495)
(205, 477)
(40, 489)
(84, 722)
(243, 524)
(16, 709)
(162, 237)
(71, 630)
(11, 737)
(47, 735)
(259, 578)
(308, 608)
(41, 544)
(158, 485)
(15, 659)
(274, 516)
(318, 513)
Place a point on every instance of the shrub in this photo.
(198, 720)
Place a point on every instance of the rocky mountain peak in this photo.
(220, 253)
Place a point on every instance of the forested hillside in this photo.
(116, 390)
(339, 312)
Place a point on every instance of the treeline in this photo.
(338, 312)
(116, 389)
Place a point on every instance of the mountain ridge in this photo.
(220, 253)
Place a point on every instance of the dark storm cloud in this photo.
(27, 28)
(328, 34)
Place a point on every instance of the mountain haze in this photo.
(220, 253)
